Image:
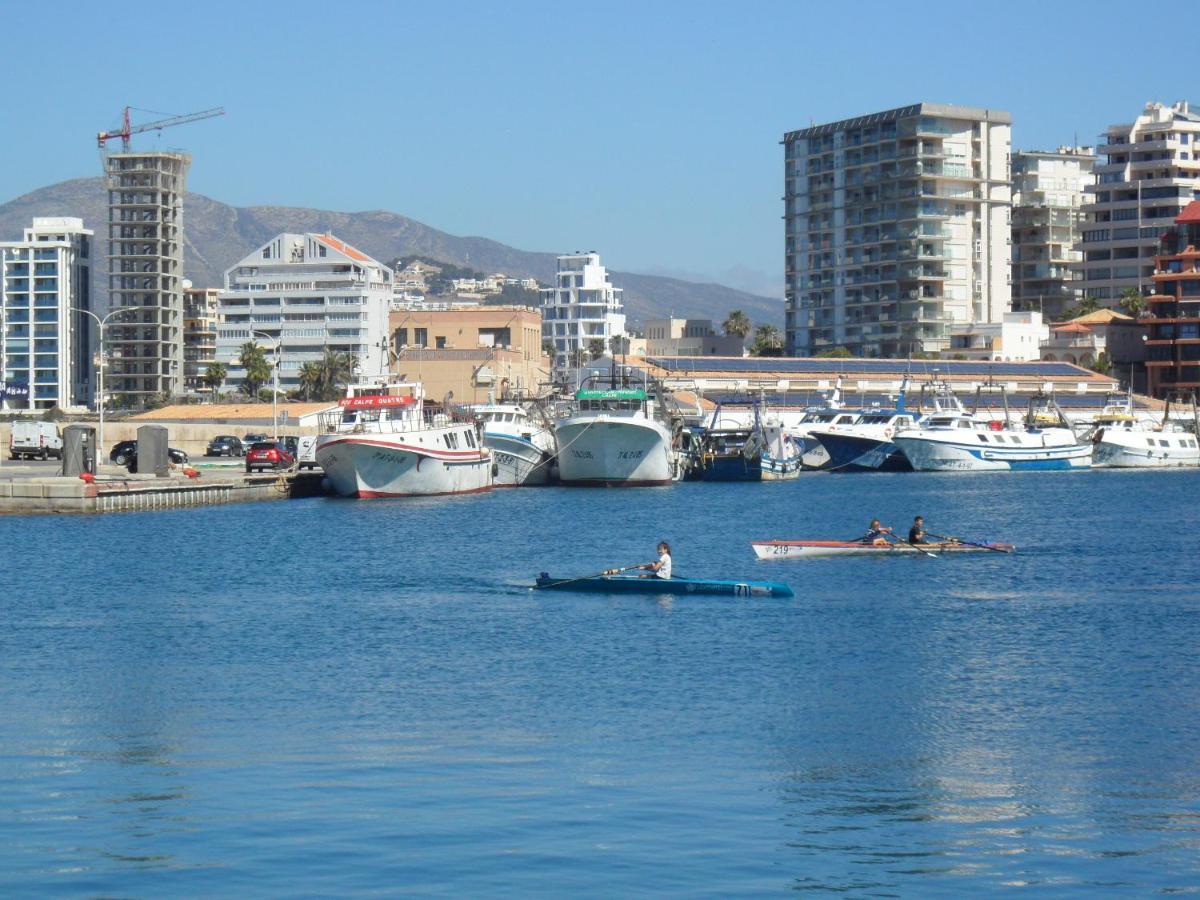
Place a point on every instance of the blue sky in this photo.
(648, 131)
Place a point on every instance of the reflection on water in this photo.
(366, 698)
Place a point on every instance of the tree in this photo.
(618, 345)
(310, 379)
(549, 349)
(1086, 305)
(1133, 301)
(737, 325)
(595, 348)
(834, 353)
(337, 369)
(258, 371)
(214, 377)
(767, 341)
(578, 358)
(1103, 364)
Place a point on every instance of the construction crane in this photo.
(127, 129)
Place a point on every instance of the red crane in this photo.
(127, 129)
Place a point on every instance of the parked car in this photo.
(225, 445)
(124, 453)
(268, 455)
(31, 440)
(254, 438)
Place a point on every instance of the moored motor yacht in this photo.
(1121, 440)
(522, 446)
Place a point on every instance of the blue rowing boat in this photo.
(632, 584)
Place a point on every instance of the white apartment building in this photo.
(1018, 337)
(896, 229)
(45, 347)
(1047, 215)
(1148, 172)
(582, 306)
(689, 337)
(309, 293)
(201, 314)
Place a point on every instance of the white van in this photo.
(35, 440)
(306, 452)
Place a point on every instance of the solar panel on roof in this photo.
(897, 367)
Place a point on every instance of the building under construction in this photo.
(145, 273)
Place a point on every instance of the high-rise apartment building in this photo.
(1148, 172)
(1173, 341)
(583, 306)
(1047, 214)
(145, 274)
(896, 228)
(45, 343)
(308, 293)
(201, 314)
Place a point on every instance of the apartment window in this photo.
(421, 336)
(401, 337)
(440, 342)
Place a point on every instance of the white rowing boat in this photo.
(815, 549)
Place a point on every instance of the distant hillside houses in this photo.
(418, 280)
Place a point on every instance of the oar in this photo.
(955, 540)
(888, 534)
(598, 575)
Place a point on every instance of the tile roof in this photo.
(342, 247)
(1102, 317)
(1190, 214)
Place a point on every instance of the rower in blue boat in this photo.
(660, 568)
(917, 534)
(876, 533)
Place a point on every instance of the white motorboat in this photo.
(963, 442)
(1122, 440)
(384, 442)
(522, 447)
(615, 437)
(831, 413)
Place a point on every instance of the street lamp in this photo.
(274, 383)
(101, 323)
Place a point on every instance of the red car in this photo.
(268, 455)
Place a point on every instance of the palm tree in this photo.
(337, 369)
(1133, 301)
(618, 345)
(737, 325)
(214, 377)
(595, 348)
(310, 379)
(767, 341)
(258, 371)
(578, 357)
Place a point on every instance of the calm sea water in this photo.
(336, 697)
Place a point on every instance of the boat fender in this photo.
(1098, 436)
(495, 469)
(887, 432)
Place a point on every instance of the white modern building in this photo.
(1018, 337)
(581, 307)
(689, 337)
(308, 293)
(896, 229)
(1047, 215)
(46, 347)
(1148, 172)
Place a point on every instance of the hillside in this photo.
(218, 235)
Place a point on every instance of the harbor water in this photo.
(326, 697)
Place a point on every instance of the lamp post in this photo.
(101, 323)
(274, 384)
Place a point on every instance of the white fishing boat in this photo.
(867, 445)
(831, 413)
(1121, 440)
(522, 447)
(384, 442)
(615, 437)
(781, 457)
(974, 443)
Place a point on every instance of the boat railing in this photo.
(373, 421)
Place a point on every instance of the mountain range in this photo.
(217, 236)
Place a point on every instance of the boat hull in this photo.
(626, 584)
(854, 453)
(517, 462)
(781, 469)
(818, 549)
(733, 467)
(380, 465)
(932, 455)
(1132, 450)
(598, 451)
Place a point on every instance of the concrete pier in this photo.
(34, 495)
